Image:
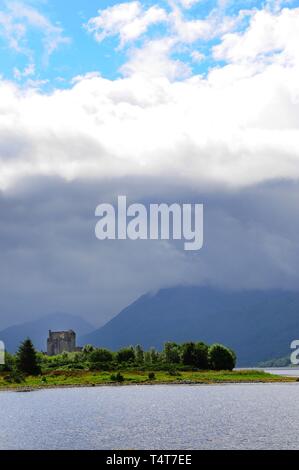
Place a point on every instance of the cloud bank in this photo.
(236, 126)
(226, 137)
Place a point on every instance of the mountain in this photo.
(259, 325)
(38, 330)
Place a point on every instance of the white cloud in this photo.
(128, 20)
(189, 31)
(268, 34)
(236, 127)
(188, 3)
(153, 57)
(153, 60)
(197, 56)
(214, 25)
(18, 20)
(28, 71)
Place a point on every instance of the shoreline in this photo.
(78, 379)
(24, 389)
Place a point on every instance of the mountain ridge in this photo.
(37, 330)
(258, 324)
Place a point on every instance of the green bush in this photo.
(15, 377)
(125, 355)
(117, 377)
(88, 348)
(221, 358)
(101, 356)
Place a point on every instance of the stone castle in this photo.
(61, 341)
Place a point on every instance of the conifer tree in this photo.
(27, 359)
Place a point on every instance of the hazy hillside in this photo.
(259, 325)
(38, 330)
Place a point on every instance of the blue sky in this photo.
(79, 53)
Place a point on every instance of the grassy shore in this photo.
(57, 379)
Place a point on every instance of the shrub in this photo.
(101, 356)
(9, 363)
(75, 366)
(117, 377)
(100, 366)
(125, 355)
(221, 358)
(15, 377)
(88, 348)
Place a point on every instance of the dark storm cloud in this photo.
(51, 260)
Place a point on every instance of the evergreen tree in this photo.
(27, 362)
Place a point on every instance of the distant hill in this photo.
(258, 325)
(37, 330)
(278, 362)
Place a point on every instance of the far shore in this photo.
(81, 379)
(129, 384)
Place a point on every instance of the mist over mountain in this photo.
(258, 324)
(37, 330)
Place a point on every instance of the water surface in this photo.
(237, 416)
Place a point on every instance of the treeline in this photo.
(186, 356)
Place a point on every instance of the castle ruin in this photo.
(61, 341)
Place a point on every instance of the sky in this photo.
(167, 101)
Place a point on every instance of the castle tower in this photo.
(61, 341)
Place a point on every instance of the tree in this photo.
(221, 358)
(27, 362)
(139, 354)
(126, 355)
(202, 356)
(171, 353)
(196, 355)
(147, 358)
(101, 355)
(88, 348)
(154, 355)
(188, 353)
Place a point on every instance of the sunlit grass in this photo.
(87, 378)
